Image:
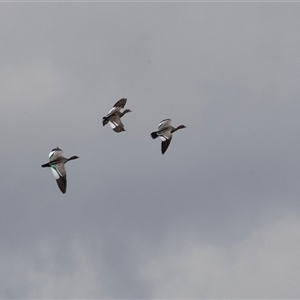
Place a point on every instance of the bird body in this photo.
(57, 164)
(164, 132)
(114, 116)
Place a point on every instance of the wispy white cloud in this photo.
(264, 265)
(79, 281)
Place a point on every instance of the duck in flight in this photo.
(164, 132)
(114, 116)
(57, 164)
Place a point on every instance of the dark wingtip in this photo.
(119, 129)
(56, 149)
(105, 121)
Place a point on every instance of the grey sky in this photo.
(217, 216)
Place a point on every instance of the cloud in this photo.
(29, 97)
(79, 281)
(264, 265)
(229, 73)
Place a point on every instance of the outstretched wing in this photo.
(164, 124)
(165, 144)
(60, 175)
(166, 137)
(62, 183)
(116, 123)
(121, 103)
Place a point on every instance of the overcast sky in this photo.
(217, 216)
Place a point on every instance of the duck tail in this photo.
(45, 165)
(154, 134)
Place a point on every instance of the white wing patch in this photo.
(55, 173)
(163, 122)
(51, 153)
(160, 124)
(162, 137)
(112, 125)
(113, 109)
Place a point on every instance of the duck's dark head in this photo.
(125, 112)
(73, 157)
(181, 126)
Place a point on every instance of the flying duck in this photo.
(114, 116)
(164, 132)
(57, 165)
